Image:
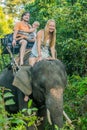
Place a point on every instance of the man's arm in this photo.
(31, 30)
(16, 28)
(14, 37)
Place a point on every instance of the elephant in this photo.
(44, 83)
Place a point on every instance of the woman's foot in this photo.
(26, 98)
(21, 63)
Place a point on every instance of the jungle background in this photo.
(71, 47)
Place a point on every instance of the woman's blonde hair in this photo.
(53, 34)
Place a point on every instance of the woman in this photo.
(44, 48)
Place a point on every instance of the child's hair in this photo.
(36, 22)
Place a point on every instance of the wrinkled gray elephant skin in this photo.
(47, 80)
(6, 79)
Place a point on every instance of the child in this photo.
(35, 25)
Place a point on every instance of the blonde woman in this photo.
(44, 48)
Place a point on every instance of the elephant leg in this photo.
(54, 103)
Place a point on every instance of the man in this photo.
(21, 33)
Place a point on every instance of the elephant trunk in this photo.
(54, 103)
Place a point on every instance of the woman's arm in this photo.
(39, 42)
(52, 49)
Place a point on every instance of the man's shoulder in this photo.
(18, 23)
(21, 23)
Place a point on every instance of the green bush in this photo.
(19, 121)
(73, 53)
(75, 101)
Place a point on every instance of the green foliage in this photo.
(40, 11)
(6, 23)
(4, 121)
(75, 101)
(14, 7)
(19, 121)
(4, 60)
(74, 54)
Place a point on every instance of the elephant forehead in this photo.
(56, 92)
(49, 78)
(49, 73)
(49, 67)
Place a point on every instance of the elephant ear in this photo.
(22, 80)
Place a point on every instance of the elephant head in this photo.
(46, 81)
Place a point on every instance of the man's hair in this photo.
(24, 14)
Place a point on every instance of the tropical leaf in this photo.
(9, 102)
(30, 103)
(8, 94)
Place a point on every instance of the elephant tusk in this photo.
(67, 118)
(48, 117)
(65, 115)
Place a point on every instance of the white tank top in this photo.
(45, 49)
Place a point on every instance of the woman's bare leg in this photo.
(32, 61)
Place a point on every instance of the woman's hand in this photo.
(50, 58)
(39, 58)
